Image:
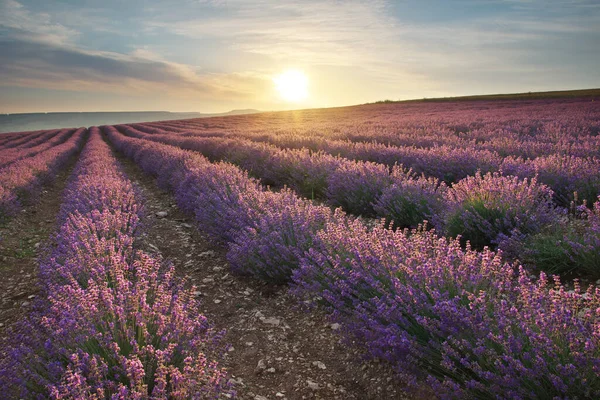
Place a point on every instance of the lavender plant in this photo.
(355, 186)
(271, 248)
(463, 321)
(568, 245)
(487, 210)
(410, 201)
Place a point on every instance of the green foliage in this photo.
(466, 222)
(562, 249)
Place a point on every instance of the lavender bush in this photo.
(565, 175)
(487, 210)
(355, 186)
(410, 201)
(271, 249)
(461, 320)
(568, 245)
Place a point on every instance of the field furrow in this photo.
(22, 241)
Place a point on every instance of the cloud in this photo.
(36, 52)
(37, 27)
(43, 65)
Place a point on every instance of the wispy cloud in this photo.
(36, 52)
(37, 27)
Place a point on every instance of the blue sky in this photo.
(218, 55)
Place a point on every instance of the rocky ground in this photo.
(21, 241)
(277, 349)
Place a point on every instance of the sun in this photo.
(292, 85)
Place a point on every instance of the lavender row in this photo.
(446, 163)
(486, 210)
(564, 174)
(47, 135)
(514, 213)
(11, 155)
(525, 129)
(231, 206)
(462, 321)
(7, 137)
(115, 322)
(25, 140)
(20, 180)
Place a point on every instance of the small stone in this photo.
(249, 344)
(161, 214)
(197, 293)
(234, 381)
(31, 296)
(271, 370)
(279, 394)
(186, 225)
(207, 280)
(312, 385)
(230, 349)
(259, 397)
(25, 304)
(217, 301)
(335, 326)
(271, 321)
(319, 365)
(260, 367)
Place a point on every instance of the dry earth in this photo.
(21, 241)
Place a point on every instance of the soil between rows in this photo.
(278, 350)
(22, 240)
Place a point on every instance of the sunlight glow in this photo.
(292, 85)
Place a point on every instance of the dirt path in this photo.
(21, 240)
(278, 350)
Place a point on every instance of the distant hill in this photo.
(39, 121)
(556, 94)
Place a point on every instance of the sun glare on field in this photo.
(292, 85)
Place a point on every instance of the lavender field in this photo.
(456, 243)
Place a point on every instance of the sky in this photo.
(219, 55)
